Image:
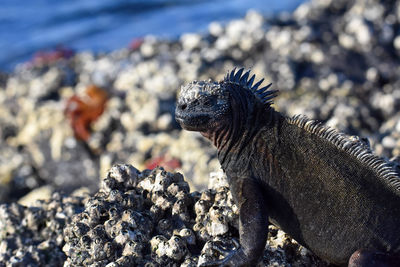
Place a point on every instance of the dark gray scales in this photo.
(325, 189)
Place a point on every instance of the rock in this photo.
(41, 193)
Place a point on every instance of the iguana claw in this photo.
(235, 257)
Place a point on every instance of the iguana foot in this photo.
(235, 257)
(370, 258)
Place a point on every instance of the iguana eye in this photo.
(207, 102)
(221, 102)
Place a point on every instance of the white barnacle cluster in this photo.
(33, 236)
(132, 211)
(196, 89)
(152, 211)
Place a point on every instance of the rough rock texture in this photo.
(147, 218)
(33, 236)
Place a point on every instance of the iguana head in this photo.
(207, 106)
(201, 105)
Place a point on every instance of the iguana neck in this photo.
(231, 140)
(220, 135)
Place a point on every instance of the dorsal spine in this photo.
(263, 94)
(355, 148)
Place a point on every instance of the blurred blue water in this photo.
(34, 25)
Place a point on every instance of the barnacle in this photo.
(129, 205)
(176, 248)
(188, 235)
(217, 224)
(82, 112)
(134, 212)
(201, 208)
(33, 236)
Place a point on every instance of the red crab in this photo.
(82, 112)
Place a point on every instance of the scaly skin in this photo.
(328, 192)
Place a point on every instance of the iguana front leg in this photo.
(253, 224)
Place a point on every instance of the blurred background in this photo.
(100, 26)
(88, 84)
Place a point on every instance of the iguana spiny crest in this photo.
(354, 147)
(196, 89)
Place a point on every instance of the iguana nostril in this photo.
(183, 106)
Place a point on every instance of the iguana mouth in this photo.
(192, 122)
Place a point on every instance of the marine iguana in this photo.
(327, 191)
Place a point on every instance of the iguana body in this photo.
(327, 191)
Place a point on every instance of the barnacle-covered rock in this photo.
(120, 176)
(173, 248)
(33, 236)
(151, 218)
(133, 212)
(147, 218)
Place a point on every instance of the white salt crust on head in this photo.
(195, 89)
